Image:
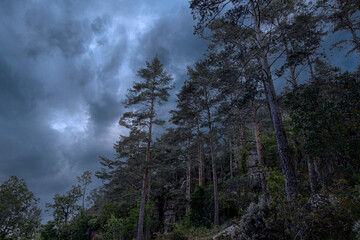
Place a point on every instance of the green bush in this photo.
(202, 207)
(114, 229)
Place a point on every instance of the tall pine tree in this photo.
(152, 90)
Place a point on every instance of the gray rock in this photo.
(229, 233)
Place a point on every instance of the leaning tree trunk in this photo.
(280, 134)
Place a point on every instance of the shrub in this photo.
(356, 229)
(202, 207)
(255, 223)
(113, 229)
(176, 235)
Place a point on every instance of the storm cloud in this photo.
(65, 67)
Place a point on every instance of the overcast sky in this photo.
(65, 67)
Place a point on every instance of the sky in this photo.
(65, 67)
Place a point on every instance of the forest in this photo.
(239, 157)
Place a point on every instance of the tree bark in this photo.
(188, 181)
(259, 151)
(311, 168)
(145, 187)
(213, 167)
(148, 193)
(280, 134)
(201, 177)
(140, 229)
(243, 154)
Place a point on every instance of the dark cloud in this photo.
(65, 67)
(173, 40)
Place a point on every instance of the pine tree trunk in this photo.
(199, 155)
(259, 151)
(311, 168)
(148, 193)
(188, 181)
(213, 167)
(280, 134)
(243, 154)
(140, 230)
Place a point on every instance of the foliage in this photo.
(176, 235)
(49, 231)
(237, 194)
(76, 229)
(253, 223)
(64, 206)
(113, 229)
(328, 113)
(201, 205)
(19, 213)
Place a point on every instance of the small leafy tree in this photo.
(113, 229)
(19, 213)
(65, 206)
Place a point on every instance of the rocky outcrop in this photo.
(230, 233)
(169, 216)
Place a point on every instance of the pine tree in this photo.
(152, 90)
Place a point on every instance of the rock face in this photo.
(169, 216)
(229, 233)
